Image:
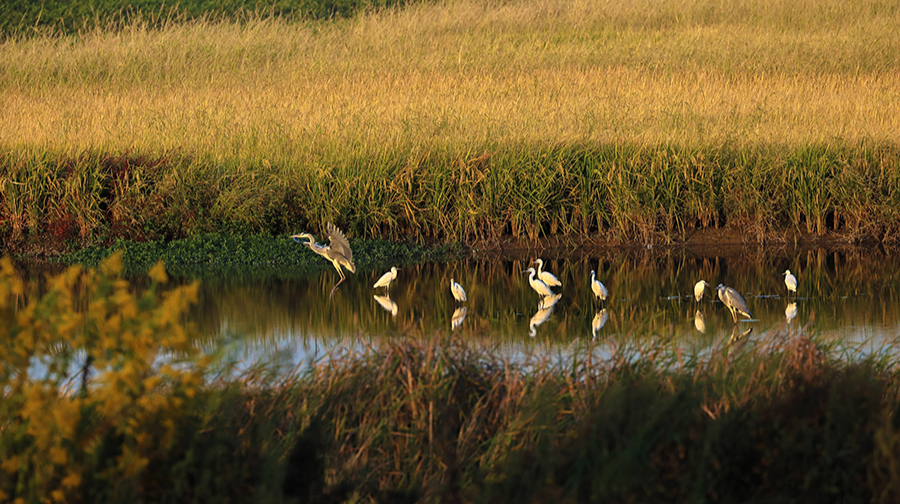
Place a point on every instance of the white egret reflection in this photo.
(545, 308)
(387, 303)
(790, 311)
(459, 314)
(599, 321)
(699, 321)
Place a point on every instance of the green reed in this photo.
(615, 193)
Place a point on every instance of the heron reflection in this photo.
(337, 251)
(459, 315)
(700, 321)
(545, 308)
(599, 321)
(387, 303)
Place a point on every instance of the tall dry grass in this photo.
(464, 74)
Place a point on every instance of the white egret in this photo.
(458, 316)
(337, 251)
(699, 289)
(536, 284)
(545, 276)
(733, 301)
(458, 293)
(790, 281)
(598, 288)
(386, 279)
(387, 303)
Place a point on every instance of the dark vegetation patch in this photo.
(69, 17)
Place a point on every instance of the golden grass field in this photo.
(465, 74)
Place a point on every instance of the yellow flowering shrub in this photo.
(91, 364)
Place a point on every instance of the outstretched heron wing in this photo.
(338, 242)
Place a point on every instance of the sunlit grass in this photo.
(463, 120)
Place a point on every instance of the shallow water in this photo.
(849, 296)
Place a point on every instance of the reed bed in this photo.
(462, 120)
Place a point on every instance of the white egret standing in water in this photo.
(598, 288)
(536, 284)
(733, 301)
(458, 293)
(548, 278)
(699, 289)
(790, 281)
(386, 279)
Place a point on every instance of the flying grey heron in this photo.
(337, 251)
(545, 276)
(598, 288)
(386, 279)
(791, 281)
(458, 293)
(735, 303)
(539, 286)
(699, 289)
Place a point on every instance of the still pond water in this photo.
(845, 295)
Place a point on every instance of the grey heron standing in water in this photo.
(735, 303)
(337, 251)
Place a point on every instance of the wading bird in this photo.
(458, 293)
(386, 279)
(699, 289)
(791, 281)
(545, 276)
(536, 284)
(598, 288)
(337, 251)
(735, 303)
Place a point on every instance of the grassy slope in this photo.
(540, 118)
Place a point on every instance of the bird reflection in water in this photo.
(790, 311)
(545, 308)
(599, 321)
(459, 315)
(700, 321)
(387, 303)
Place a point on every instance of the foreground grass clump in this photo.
(106, 399)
